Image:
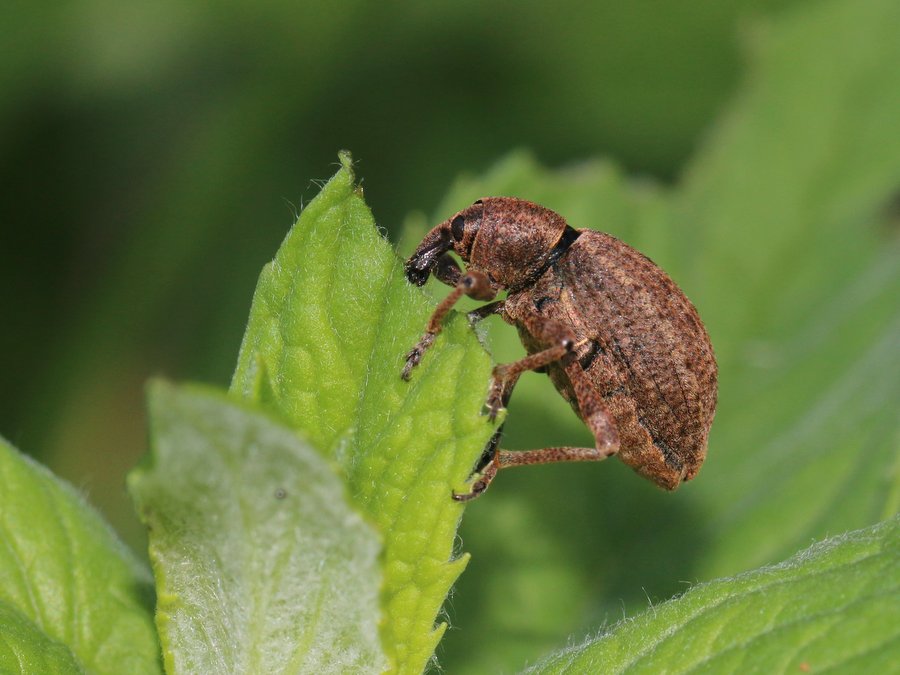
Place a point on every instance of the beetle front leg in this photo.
(483, 312)
(472, 283)
(447, 270)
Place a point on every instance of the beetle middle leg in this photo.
(505, 376)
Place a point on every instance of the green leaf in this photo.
(72, 597)
(784, 233)
(833, 606)
(261, 564)
(331, 320)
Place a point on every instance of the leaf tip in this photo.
(157, 389)
(345, 157)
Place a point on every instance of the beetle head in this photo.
(508, 239)
(514, 240)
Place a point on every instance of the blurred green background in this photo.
(153, 155)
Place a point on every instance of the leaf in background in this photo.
(70, 593)
(593, 193)
(784, 235)
(791, 258)
(331, 320)
(261, 563)
(832, 606)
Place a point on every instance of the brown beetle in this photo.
(618, 338)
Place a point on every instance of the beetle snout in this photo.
(416, 272)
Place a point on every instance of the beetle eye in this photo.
(457, 228)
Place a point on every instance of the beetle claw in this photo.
(414, 355)
(477, 488)
(413, 358)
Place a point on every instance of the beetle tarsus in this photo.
(494, 402)
(479, 485)
(414, 356)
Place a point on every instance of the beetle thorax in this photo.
(514, 240)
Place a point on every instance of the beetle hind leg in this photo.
(598, 420)
(591, 409)
(485, 470)
(596, 416)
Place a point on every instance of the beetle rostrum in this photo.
(619, 340)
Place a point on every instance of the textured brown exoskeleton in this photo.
(617, 337)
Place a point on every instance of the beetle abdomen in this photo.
(646, 352)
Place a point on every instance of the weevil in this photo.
(617, 337)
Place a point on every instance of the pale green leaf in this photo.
(261, 564)
(332, 318)
(832, 607)
(71, 596)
